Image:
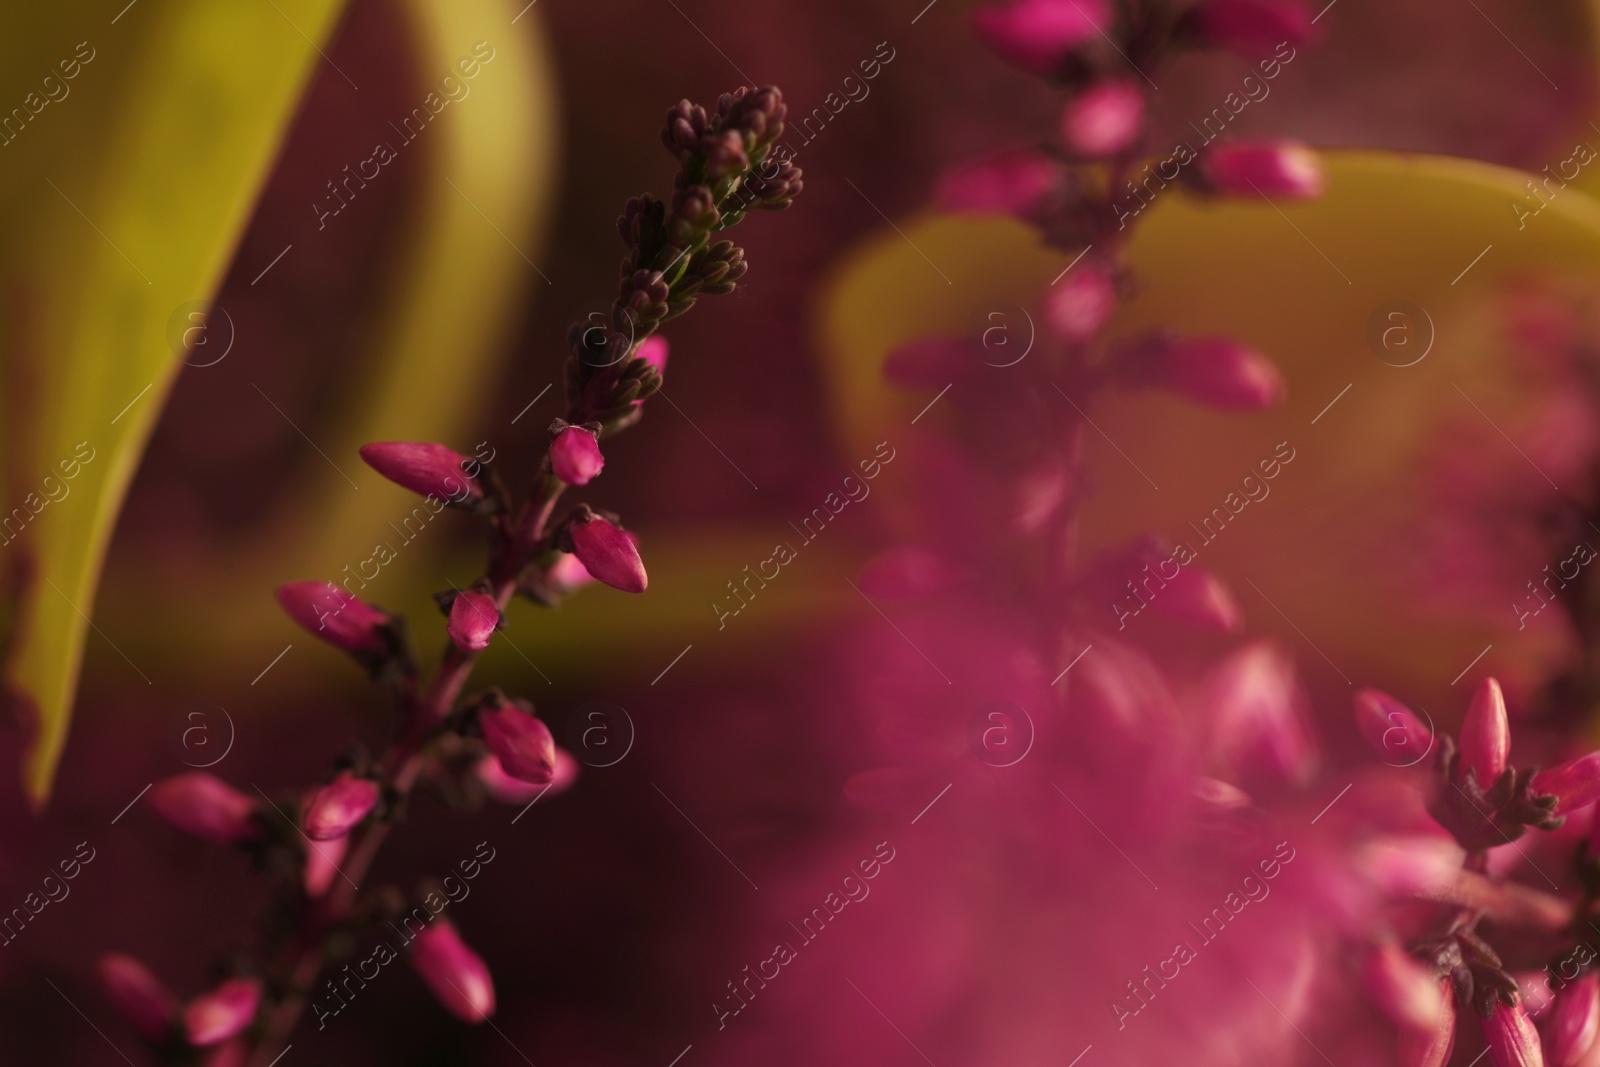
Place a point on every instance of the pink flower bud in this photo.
(1282, 169)
(1078, 306)
(1403, 989)
(322, 864)
(520, 742)
(1485, 735)
(607, 552)
(473, 618)
(213, 1017)
(1513, 1042)
(1575, 1022)
(575, 456)
(1102, 120)
(138, 996)
(426, 468)
(1390, 728)
(1012, 182)
(1575, 784)
(457, 975)
(333, 614)
(508, 790)
(1217, 371)
(653, 350)
(204, 806)
(339, 806)
(1250, 28)
(1200, 598)
(1431, 1049)
(1039, 35)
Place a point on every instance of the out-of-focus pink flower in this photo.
(1390, 728)
(1198, 597)
(1217, 371)
(908, 571)
(653, 350)
(213, 1017)
(521, 742)
(204, 806)
(1250, 28)
(607, 553)
(1283, 169)
(1403, 989)
(1039, 35)
(1103, 119)
(567, 573)
(426, 468)
(139, 996)
(322, 864)
(335, 615)
(473, 618)
(1408, 865)
(1575, 1022)
(575, 455)
(1513, 1041)
(1079, 305)
(1431, 1049)
(1575, 784)
(338, 807)
(1486, 735)
(1219, 795)
(1255, 699)
(1013, 182)
(508, 790)
(457, 976)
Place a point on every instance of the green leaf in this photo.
(123, 201)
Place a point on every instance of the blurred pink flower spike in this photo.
(425, 468)
(1200, 598)
(204, 806)
(1575, 1022)
(1513, 1041)
(1575, 784)
(457, 976)
(1418, 1049)
(1103, 119)
(139, 997)
(521, 742)
(1249, 28)
(213, 1017)
(337, 616)
(1391, 729)
(339, 806)
(508, 790)
(473, 618)
(1485, 735)
(1284, 170)
(1403, 989)
(322, 864)
(606, 551)
(1077, 307)
(1013, 182)
(575, 455)
(1040, 35)
(1255, 700)
(1219, 372)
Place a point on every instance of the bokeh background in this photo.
(609, 918)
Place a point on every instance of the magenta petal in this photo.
(340, 806)
(1513, 1042)
(1486, 735)
(473, 618)
(608, 553)
(1391, 729)
(1575, 784)
(521, 742)
(138, 996)
(575, 456)
(335, 615)
(204, 806)
(1276, 169)
(425, 468)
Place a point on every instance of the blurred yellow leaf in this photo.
(1327, 560)
(143, 139)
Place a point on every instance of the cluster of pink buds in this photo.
(320, 841)
(1484, 802)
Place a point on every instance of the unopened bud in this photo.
(1574, 784)
(322, 864)
(339, 806)
(508, 790)
(204, 806)
(521, 742)
(1103, 119)
(426, 468)
(1390, 728)
(1513, 1042)
(138, 996)
(1486, 735)
(575, 455)
(1079, 305)
(1405, 990)
(1282, 169)
(1013, 182)
(335, 615)
(1250, 28)
(473, 618)
(1432, 1049)
(1575, 1022)
(213, 1017)
(457, 976)
(1216, 371)
(606, 551)
(1039, 35)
